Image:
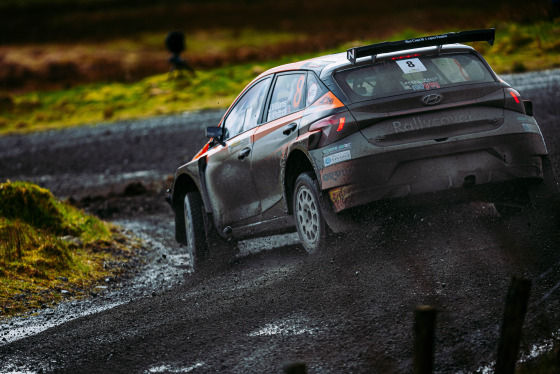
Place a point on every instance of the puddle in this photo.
(21, 329)
(254, 246)
(164, 269)
(537, 350)
(286, 327)
(170, 369)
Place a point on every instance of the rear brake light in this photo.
(334, 127)
(407, 56)
(516, 98)
(513, 101)
(341, 122)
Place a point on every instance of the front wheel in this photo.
(310, 224)
(194, 229)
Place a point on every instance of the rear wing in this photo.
(486, 35)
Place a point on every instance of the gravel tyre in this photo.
(311, 226)
(194, 229)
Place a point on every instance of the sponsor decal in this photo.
(312, 93)
(239, 143)
(530, 127)
(278, 109)
(338, 174)
(337, 157)
(417, 123)
(337, 148)
(413, 65)
(423, 84)
(426, 86)
(425, 38)
(338, 197)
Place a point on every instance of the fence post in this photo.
(424, 326)
(510, 335)
(297, 367)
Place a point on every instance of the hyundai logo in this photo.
(432, 99)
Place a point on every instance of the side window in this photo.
(289, 96)
(246, 112)
(315, 89)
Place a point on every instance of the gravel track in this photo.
(348, 309)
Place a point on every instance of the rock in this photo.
(72, 241)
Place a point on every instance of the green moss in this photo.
(518, 48)
(43, 240)
(30, 204)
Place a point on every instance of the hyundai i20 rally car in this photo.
(308, 145)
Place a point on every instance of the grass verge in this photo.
(50, 250)
(518, 48)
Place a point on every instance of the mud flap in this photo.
(180, 235)
(220, 250)
(547, 193)
(336, 222)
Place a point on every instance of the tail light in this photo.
(513, 101)
(334, 127)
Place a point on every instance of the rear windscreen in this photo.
(422, 73)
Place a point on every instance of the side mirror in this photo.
(217, 133)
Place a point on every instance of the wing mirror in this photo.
(217, 133)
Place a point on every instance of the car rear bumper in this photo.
(374, 173)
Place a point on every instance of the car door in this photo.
(231, 188)
(282, 119)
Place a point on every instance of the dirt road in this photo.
(349, 309)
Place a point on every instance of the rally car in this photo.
(310, 145)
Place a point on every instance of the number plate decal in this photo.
(413, 65)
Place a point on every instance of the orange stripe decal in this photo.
(267, 128)
(327, 102)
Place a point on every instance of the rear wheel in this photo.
(194, 229)
(310, 224)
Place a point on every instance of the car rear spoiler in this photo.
(486, 35)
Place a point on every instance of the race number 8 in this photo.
(299, 91)
(412, 65)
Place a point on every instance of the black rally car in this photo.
(307, 145)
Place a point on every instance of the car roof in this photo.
(325, 65)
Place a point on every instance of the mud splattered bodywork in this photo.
(399, 124)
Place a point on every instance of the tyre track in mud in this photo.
(346, 310)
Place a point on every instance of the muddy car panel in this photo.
(423, 152)
(399, 124)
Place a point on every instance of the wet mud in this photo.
(348, 309)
